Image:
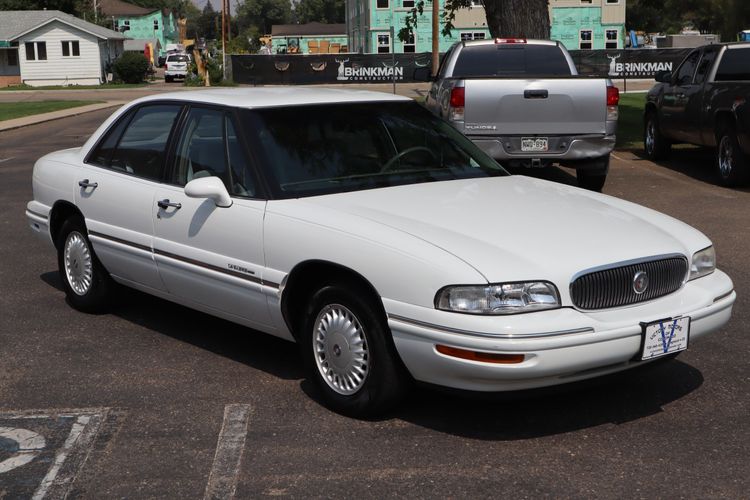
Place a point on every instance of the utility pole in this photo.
(224, 5)
(435, 36)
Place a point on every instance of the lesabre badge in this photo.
(666, 342)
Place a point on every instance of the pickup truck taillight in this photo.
(458, 98)
(613, 99)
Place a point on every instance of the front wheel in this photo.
(350, 355)
(731, 162)
(592, 174)
(87, 284)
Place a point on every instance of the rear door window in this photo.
(142, 149)
(734, 65)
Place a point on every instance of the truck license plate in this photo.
(534, 144)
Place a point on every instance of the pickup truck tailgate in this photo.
(535, 106)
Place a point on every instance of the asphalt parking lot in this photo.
(157, 401)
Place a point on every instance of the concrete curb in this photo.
(56, 115)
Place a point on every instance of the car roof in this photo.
(268, 97)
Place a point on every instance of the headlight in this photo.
(500, 298)
(704, 262)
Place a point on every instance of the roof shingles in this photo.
(14, 23)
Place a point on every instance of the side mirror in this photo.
(663, 76)
(423, 74)
(209, 187)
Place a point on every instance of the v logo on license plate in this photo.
(666, 342)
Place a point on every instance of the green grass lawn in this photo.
(104, 86)
(630, 123)
(10, 110)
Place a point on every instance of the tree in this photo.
(206, 24)
(264, 13)
(321, 11)
(505, 18)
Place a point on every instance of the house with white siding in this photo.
(49, 47)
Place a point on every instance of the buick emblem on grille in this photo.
(640, 282)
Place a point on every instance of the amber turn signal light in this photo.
(482, 357)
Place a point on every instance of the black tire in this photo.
(91, 298)
(168, 79)
(656, 146)
(384, 381)
(731, 163)
(592, 174)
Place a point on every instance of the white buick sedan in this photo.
(377, 237)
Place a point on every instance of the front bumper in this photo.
(562, 345)
(561, 148)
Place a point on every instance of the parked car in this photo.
(704, 102)
(522, 102)
(176, 66)
(376, 236)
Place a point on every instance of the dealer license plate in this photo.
(534, 144)
(665, 336)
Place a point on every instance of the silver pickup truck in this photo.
(523, 103)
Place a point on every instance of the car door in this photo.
(207, 255)
(699, 104)
(116, 191)
(676, 97)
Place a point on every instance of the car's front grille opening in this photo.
(615, 286)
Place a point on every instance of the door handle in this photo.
(86, 184)
(165, 204)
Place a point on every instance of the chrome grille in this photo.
(614, 287)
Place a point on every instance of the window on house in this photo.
(586, 1)
(384, 44)
(611, 39)
(383, 4)
(613, 1)
(409, 44)
(585, 40)
(156, 24)
(71, 48)
(472, 35)
(36, 51)
(12, 57)
(409, 4)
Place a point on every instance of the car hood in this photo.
(517, 228)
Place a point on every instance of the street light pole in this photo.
(435, 36)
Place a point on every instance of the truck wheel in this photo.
(657, 146)
(346, 344)
(87, 284)
(592, 173)
(731, 162)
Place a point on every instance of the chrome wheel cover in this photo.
(340, 349)
(726, 156)
(79, 269)
(650, 131)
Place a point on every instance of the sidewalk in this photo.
(56, 115)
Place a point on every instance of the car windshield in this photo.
(177, 59)
(332, 148)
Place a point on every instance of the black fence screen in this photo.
(296, 69)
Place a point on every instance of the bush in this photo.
(131, 67)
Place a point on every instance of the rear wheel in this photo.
(347, 346)
(731, 162)
(592, 174)
(657, 146)
(168, 79)
(87, 284)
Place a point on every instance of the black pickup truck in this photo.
(704, 102)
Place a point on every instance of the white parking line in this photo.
(61, 474)
(222, 481)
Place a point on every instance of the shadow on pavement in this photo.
(614, 399)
